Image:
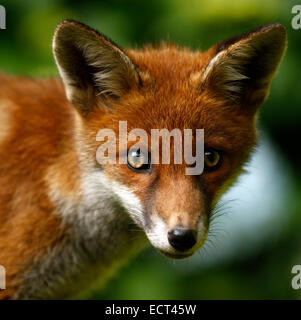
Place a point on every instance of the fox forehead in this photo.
(170, 96)
(168, 62)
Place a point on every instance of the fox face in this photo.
(167, 87)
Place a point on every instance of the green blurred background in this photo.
(258, 260)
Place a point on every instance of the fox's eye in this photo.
(212, 158)
(138, 160)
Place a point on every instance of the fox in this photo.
(67, 222)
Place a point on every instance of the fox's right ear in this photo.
(241, 69)
(91, 65)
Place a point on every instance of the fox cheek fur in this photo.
(66, 221)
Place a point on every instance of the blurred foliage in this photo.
(26, 49)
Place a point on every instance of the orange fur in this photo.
(41, 129)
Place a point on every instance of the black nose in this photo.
(182, 239)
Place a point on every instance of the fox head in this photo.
(167, 87)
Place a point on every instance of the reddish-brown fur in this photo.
(40, 133)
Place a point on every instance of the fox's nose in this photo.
(181, 238)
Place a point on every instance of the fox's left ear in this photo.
(241, 69)
(91, 65)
